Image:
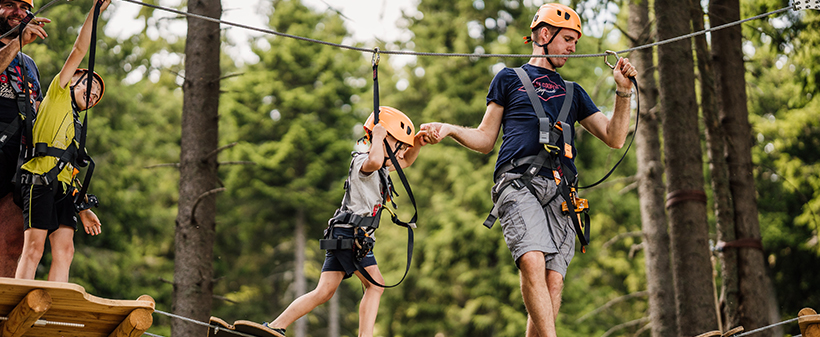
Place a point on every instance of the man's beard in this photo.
(5, 28)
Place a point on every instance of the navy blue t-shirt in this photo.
(520, 123)
(8, 96)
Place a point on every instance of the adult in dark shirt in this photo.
(540, 237)
(11, 216)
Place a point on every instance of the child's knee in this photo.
(372, 288)
(63, 251)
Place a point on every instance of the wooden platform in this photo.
(47, 304)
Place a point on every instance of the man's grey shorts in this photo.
(528, 226)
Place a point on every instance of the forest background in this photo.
(289, 122)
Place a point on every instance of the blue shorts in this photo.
(343, 259)
(47, 207)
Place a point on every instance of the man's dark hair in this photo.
(552, 29)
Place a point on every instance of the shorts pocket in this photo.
(512, 224)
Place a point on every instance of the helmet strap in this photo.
(73, 98)
(546, 52)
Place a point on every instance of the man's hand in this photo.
(34, 30)
(622, 72)
(434, 132)
(91, 222)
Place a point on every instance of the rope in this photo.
(766, 327)
(416, 53)
(191, 320)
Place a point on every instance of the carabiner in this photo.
(606, 58)
(376, 57)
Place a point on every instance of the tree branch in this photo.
(223, 298)
(611, 303)
(621, 236)
(231, 75)
(162, 165)
(237, 163)
(218, 150)
(202, 196)
(622, 326)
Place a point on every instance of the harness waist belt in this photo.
(33, 179)
(355, 220)
(336, 244)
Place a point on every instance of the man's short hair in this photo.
(552, 29)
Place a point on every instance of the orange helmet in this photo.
(557, 15)
(395, 122)
(30, 2)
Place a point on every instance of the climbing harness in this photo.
(362, 243)
(550, 155)
(74, 153)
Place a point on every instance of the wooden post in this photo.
(809, 322)
(26, 313)
(136, 323)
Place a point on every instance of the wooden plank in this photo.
(71, 304)
(26, 313)
(809, 322)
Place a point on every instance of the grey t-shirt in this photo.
(363, 191)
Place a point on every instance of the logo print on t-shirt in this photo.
(546, 88)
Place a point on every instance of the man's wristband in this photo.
(624, 94)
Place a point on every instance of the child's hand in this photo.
(379, 133)
(91, 222)
(105, 5)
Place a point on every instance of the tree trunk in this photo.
(195, 224)
(650, 172)
(715, 145)
(299, 282)
(731, 85)
(333, 317)
(686, 204)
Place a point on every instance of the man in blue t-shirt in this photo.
(540, 238)
(11, 215)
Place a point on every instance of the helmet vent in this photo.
(409, 131)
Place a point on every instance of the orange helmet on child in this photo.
(557, 15)
(395, 122)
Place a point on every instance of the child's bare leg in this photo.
(62, 253)
(370, 301)
(328, 283)
(33, 245)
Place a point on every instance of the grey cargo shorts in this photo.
(529, 226)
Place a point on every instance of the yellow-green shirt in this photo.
(54, 125)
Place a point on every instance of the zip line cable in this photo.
(191, 320)
(416, 53)
(239, 333)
